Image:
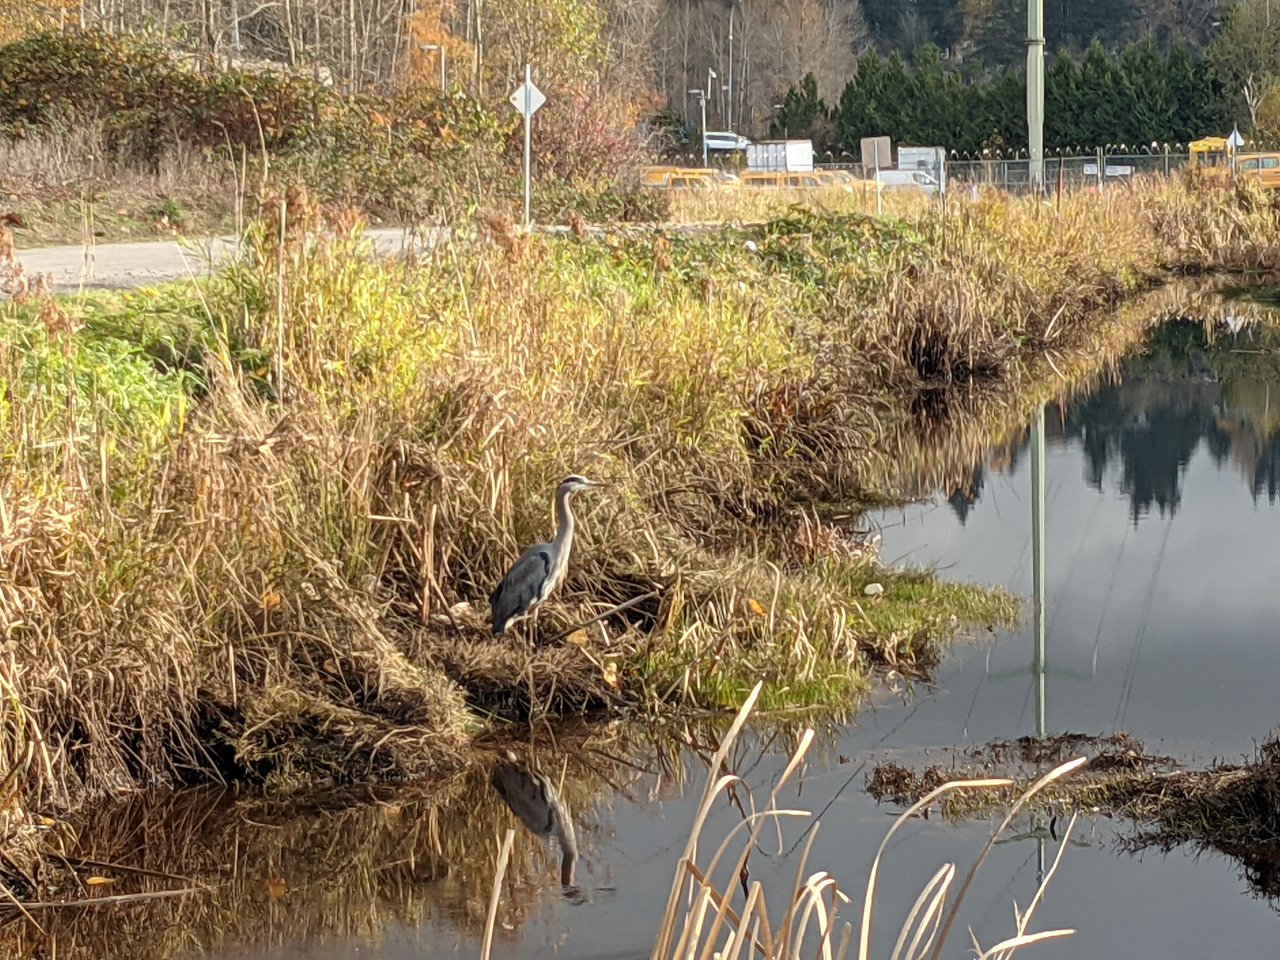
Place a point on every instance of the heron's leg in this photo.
(531, 645)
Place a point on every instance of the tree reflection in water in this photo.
(1193, 384)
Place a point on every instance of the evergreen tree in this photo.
(1146, 74)
(1199, 110)
(936, 93)
(1062, 103)
(856, 117)
(803, 115)
(1104, 101)
(1135, 99)
(897, 108)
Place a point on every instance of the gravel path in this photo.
(121, 266)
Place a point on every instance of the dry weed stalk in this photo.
(709, 924)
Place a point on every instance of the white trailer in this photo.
(785, 156)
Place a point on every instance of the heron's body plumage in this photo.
(535, 576)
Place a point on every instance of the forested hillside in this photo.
(993, 30)
(947, 72)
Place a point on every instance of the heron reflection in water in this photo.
(534, 800)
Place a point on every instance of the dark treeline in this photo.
(1138, 97)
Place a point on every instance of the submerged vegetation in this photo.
(249, 524)
(1228, 807)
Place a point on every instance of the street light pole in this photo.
(1035, 92)
(702, 100)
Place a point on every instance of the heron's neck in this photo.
(564, 520)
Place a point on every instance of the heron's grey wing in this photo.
(522, 586)
(524, 794)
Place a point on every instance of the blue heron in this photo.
(533, 798)
(540, 568)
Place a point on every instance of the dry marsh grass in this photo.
(57, 187)
(249, 526)
(758, 204)
(808, 921)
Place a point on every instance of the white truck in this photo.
(782, 156)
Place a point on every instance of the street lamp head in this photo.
(712, 73)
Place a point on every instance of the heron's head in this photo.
(575, 484)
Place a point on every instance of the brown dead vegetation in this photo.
(1230, 808)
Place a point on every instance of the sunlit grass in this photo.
(275, 490)
(746, 204)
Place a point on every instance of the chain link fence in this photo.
(1085, 171)
(1082, 170)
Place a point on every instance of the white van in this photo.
(907, 180)
(726, 140)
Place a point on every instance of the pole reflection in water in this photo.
(1037, 590)
(533, 798)
(1037, 560)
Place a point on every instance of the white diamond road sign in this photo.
(527, 99)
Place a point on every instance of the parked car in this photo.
(1265, 167)
(686, 178)
(810, 180)
(843, 178)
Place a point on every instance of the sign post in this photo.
(1234, 142)
(527, 99)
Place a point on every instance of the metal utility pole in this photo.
(729, 112)
(432, 48)
(702, 100)
(1035, 92)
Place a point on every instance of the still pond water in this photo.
(1163, 600)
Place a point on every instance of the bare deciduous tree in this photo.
(776, 42)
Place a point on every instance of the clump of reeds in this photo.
(709, 923)
(180, 586)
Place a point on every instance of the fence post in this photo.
(1102, 171)
(1166, 161)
